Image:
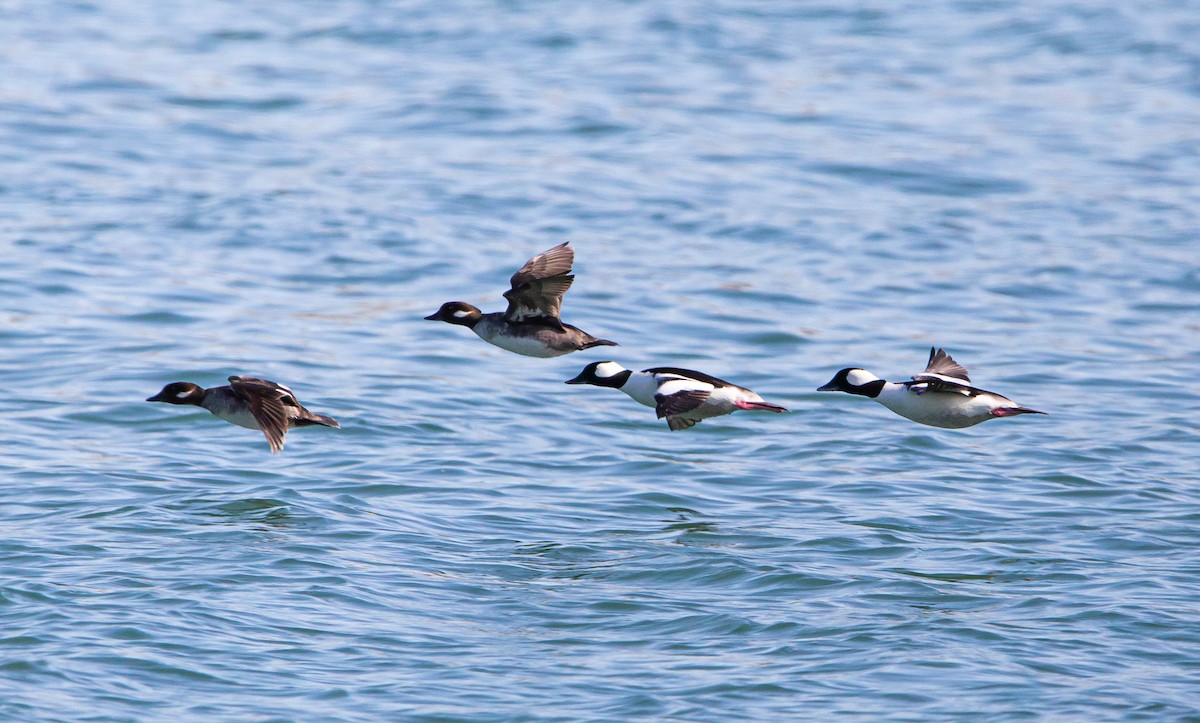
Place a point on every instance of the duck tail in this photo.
(321, 419)
(1014, 411)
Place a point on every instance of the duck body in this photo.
(682, 396)
(534, 336)
(248, 402)
(946, 410)
(530, 326)
(940, 396)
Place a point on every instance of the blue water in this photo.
(764, 191)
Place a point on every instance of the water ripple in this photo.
(764, 192)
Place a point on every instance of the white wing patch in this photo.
(673, 385)
(948, 379)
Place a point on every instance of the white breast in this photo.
(642, 387)
(937, 409)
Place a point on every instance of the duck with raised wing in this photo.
(530, 325)
(940, 396)
(248, 402)
(683, 396)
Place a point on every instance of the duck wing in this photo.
(269, 403)
(687, 374)
(923, 383)
(538, 287)
(681, 402)
(942, 374)
(942, 366)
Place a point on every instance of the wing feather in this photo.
(538, 287)
(934, 385)
(943, 365)
(670, 405)
(268, 404)
(689, 374)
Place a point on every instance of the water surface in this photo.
(764, 191)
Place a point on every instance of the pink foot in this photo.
(1013, 411)
(761, 406)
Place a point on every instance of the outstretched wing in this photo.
(268, 403)
(942, 366)
(942, 374)
(538, 287)
(672, 405)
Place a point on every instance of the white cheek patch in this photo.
(604, 370)
(461, 314)
(182, 395)
(859, 377)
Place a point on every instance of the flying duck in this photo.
(530, 325)
(248, 402)
(683, 396)
(940, 396)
